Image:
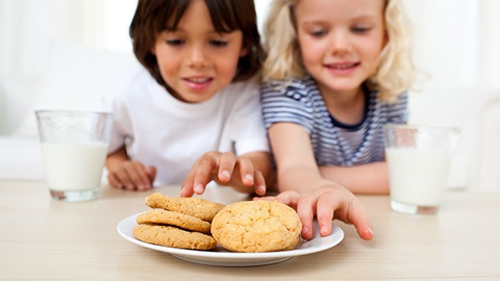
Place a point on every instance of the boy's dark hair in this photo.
(154, 16)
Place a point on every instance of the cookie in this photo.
(164, 217)
(170, 236)
(257, 226)
(196, 207)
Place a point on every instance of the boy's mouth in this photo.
(198, 80)
(198, 83)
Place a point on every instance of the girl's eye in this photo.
(218, 43)
(318, 33)
(360, 29)
(175, 42)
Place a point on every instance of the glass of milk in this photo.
(419, 160)
(74, 146)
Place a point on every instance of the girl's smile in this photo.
(342, 68)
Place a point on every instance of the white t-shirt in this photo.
(159, 130)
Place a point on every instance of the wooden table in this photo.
(44, 239)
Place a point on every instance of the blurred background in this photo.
(456, 45)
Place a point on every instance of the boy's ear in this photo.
(243, 52)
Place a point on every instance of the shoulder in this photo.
(298, 89)
(132, 82)
(241, 92)
(248, 87)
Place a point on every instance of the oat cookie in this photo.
(196, 207)
(257, 226)
(173, 237)
(164, 217)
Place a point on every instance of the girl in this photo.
(336, 73)
(195, 95)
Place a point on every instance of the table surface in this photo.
(44, 239)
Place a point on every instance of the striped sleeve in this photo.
(286, 104)
(398, 112)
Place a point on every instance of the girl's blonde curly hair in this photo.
(394, 75)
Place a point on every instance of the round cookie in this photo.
(161, 216)
(257, 226)
(196, 207)
(173, 237)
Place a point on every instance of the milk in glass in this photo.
(74, 166)
(418, 176)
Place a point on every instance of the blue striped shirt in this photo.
(336, 144)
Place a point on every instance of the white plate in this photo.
(222, 257)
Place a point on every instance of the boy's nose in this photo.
(197, 57)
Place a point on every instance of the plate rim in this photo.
(337, 232)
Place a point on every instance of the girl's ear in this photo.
(386, 37)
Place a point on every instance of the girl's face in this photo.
(340, 41)
(195, 60)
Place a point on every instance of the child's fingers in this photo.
(246, 170)
(203, 174)
(305, 209)
(137, 175)
(151, 171)
(326, 206)
(113, 180)
(260, 183)
(187, 190)
(187, 187)
(123, 177)
(358, 218)
(227, 161)
(289, 197)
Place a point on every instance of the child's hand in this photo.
(132, 175)
(225, 169)
(326, 203)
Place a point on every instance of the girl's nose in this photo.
(340, 43)
(197, 56)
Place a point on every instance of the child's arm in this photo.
(370, 178)
(124, 173)
(247, 173)
(300, 179)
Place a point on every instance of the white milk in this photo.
(418, 177)
(74, 166)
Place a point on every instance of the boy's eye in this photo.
(175, 42)
(218, 43)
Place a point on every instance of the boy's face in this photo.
(194, 60)
(340, 41)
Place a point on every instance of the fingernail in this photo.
(249, 178)
(261, 189)
(198, 188)
(305, 230)
(324, 229)
(226, 174)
